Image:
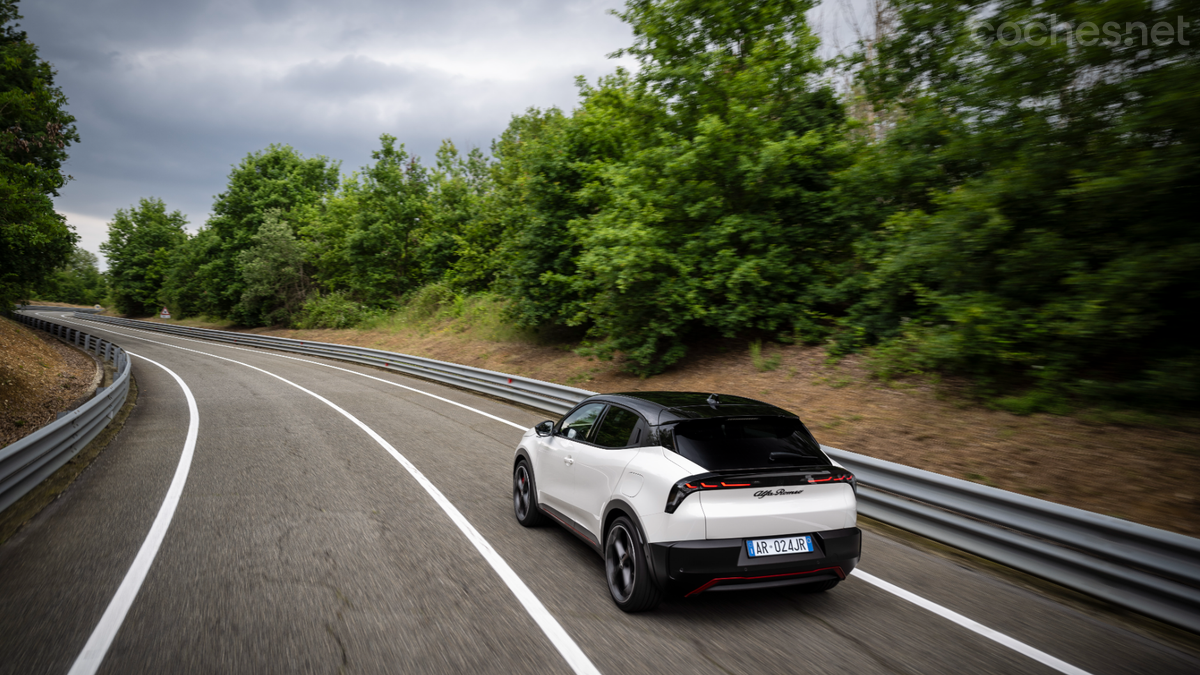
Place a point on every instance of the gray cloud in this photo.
(349, 77)
(168, 97)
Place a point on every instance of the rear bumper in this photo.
(693, 567)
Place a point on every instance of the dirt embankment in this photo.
(1147, 473)
(39, 377)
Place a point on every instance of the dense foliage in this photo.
(1041, 195)
(364, 238)
(79, 282)
(719, 215)
(1021, 210)
(140, 247)
(35, 130)
(268, 184)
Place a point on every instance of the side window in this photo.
(616, 430)
(578, 425)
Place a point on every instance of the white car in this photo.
(691, 493)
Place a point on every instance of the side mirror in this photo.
(544, 428)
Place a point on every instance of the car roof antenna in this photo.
(714, 400)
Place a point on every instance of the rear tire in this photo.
(627, 570)
(525, 504)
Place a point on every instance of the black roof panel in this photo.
(677, 399)
(662, 407)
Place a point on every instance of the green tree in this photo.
(382, 247)
(276, 179)
(35, 130)
(141, 245)
(79, 282)
(722, 216)
(524, 244)
(324, 230)
(364, 240)
(185, 290)
(1042, 221)
(274, 273)
(458, 186)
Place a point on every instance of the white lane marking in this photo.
(558, 636)
(88, 661)
(944, 612)
(315, 363)
(971, 625)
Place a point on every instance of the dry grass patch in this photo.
(39, 377)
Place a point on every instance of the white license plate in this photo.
(758, 548)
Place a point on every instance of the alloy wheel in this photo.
(522, 492)
(619, 563)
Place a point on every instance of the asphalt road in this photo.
(301, 544)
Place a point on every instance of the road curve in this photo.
(301, 544)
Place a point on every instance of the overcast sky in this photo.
(169, 96)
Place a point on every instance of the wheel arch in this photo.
(522, 454)
(616, 508)
(619, 507)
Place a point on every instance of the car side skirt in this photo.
(571, 525)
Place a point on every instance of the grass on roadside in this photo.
(436, 308)
(763, 363)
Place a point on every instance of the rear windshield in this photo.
(748, 443)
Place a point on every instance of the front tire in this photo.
(525, 505)
(627, 570)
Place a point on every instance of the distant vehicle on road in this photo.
(690, 493)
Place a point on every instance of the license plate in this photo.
(758, 548)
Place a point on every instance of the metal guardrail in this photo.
(30, 460)
(1150, 571)
(535, 393)
(51, 308)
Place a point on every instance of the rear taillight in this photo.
(846, 477)
(680, 492)
(751, 479)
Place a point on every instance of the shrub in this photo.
(331, 311)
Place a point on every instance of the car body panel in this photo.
(598, 471)
(689, 467)
(780, 511)
(699, 546)
(553, 470)
(686, 524)
(659, 474)
(632, 483)
(693, 567)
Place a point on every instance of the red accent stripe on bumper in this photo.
(714, 582)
